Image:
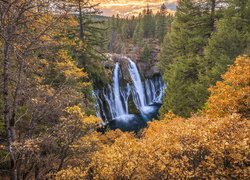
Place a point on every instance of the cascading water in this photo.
(119, 110)
(138, 87)
(113, 103)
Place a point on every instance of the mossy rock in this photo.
(132, 107)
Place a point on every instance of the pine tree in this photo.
(125, 30)
(179, 56)
(161, 23)
(131, 26)
(229, 41)
(199, 49)
(138, 34)
(160, 26)
(148, 23)
(146, 53)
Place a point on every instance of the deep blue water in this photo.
(135, 122)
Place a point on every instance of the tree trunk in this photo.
(9, 124)
(213, 5)
(80, 20)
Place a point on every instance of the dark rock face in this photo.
(154, 70)
(123, 61)
(147, 69)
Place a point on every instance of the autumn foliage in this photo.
(214, 144)
(233, 94)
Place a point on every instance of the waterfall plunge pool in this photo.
(135, 122)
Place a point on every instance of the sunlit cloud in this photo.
(132, 7)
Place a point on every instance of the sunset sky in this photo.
(132, 7)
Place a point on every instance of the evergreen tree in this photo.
(229, 40)
(138, 34)
(131, 26)
(148, 23)
(125, 30)
(179, 56)
(161, 23)
(160, 26)
(199, 49)
(146, 56)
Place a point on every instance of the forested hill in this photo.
(205, 37)
(53, 57)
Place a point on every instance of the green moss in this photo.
(132, 107)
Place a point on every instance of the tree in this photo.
(176, 147)
(231, 29)
(232, 94)
(148, 23)
(18, 45)
(138, 34)
(160, 26)
(162, 23)
(41, 78)
(146, 54)
(179, 56)
(89, 47)
(125, 30)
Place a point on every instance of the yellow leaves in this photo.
(179, 148)
(239, 73)
(175, 148)
(91, 120)
(71, 173)
(233, 94)
(68, 68)
(75, 113)
(84, 84)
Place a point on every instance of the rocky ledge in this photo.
(147, 69)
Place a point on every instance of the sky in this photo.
(132, 7)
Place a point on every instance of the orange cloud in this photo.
(132, 7)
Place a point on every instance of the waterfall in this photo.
(112, 102)
(138, 87)
(119, 110)
(125, 95)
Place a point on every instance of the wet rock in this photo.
(147, 69)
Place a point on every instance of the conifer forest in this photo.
(160, 94)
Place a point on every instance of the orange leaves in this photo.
(233, 94)
(214, 146)
(239, 73)
(71, 173)
(193, 148)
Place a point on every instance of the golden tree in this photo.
(232, 95)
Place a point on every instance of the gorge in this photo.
(129, 105)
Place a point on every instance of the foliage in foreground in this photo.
(46, 90)
(214, 144)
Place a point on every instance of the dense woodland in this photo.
(205, 37)
(52, 55)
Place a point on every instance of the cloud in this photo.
(132, 7)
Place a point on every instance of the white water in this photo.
(119, 110)
(116, 98)
(125, 95)
(138, 87)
